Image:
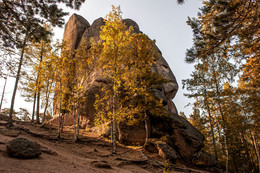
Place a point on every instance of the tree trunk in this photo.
(3, 93)
(38, 107)
(10, 121)
(62, 121)
(74, 120)
(77, 134)
(59, 113)
(212, 133)
(77, 125)
(147, 128)
(245, 142)
(225, 134)
(47, 101)
(224, 127)
(34, 101)
(113, 129)
(210, 121)
(113, 125)
(256, 150)
(221, 113)
(38, 87)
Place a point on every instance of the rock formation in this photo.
(183, 140)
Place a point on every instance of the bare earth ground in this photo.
(64, 155)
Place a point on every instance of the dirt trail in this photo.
(91, 154)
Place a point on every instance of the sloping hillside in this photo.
(91, 154)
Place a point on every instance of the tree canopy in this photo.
(225, 81)
(23, 17)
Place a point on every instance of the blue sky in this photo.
(162, 20)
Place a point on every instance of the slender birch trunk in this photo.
(47, 100)
(59, 113)
(77, 131)
(113, 135)
(77, 124)
(74, 120)
(113, 129)
(34, 102)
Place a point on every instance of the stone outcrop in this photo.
(183, 140)
(74, 29)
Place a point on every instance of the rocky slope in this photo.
(182, 139)
(91, 154)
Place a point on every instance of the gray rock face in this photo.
(23, 148)
(184, 139)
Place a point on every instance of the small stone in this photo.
(101, 164)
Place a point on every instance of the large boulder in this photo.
(187, 139)
(23, 148)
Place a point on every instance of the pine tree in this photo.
(20, 18)
(20, 23)
(225, 37)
